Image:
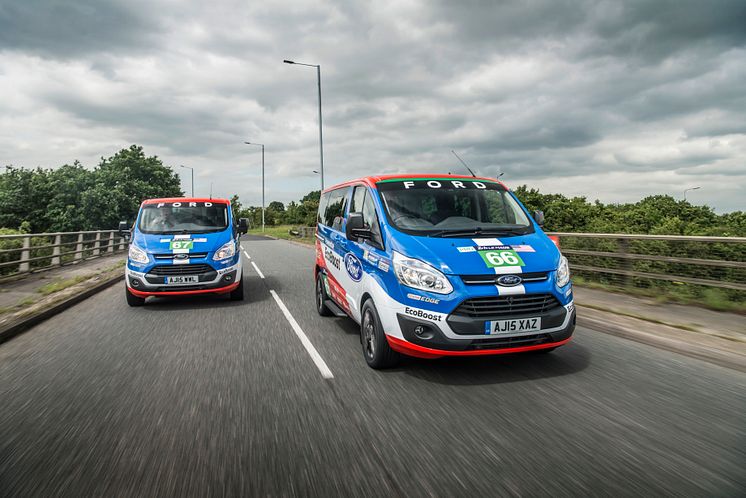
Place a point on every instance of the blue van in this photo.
(181, 246)
(440, 265)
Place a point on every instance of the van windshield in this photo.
(452, 208)
(183, 217)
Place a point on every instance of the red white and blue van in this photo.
(440, 265)
(181, 246)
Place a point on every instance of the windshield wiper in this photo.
(478, 231)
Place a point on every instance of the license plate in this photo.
(515, 325)
(182, 279)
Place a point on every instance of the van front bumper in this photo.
(431, 342)
(211, 281)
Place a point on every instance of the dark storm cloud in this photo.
(72, 29)
(564, 92)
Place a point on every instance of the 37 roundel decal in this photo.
(353, 266)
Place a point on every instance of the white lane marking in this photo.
(258, 271)
(315, 356)
(247, 255)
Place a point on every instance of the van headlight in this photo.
(137, 255)
(418, 275)
(563, 272)
(226, 251)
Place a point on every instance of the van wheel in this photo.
(376, 350)
(237, 293)
(132, 299)
(321, 296)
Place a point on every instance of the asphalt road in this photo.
(205, 397)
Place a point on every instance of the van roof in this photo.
(372, 180)
(185, 199)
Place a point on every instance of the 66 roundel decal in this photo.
(353, 266)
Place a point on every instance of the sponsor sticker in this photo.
(370, 257)
(353, 266)
(182, 237)
(200, 239)
(332, 258)
(165, 240)
(383, 265)
(426, 315)
(467, 249)
(181, 245)
(424, 299)
(523, 248)
(494, 258)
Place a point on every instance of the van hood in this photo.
(155, 243)
(460, 256)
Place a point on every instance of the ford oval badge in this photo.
(509, 280)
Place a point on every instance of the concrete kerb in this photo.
(722, 352)
(20, 325)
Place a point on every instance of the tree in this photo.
(72, 198)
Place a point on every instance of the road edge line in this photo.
(19, 326)
(315, 356)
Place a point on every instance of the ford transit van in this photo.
(440, 265)
(182, 246)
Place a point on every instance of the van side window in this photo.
(323, 202)
(362, 202)
(335, 208)
(357, 199)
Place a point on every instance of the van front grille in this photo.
(502, 306)
(167, 270)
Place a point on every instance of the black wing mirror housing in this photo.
(124, 228)
(243, 225)
(539, 217)
(355, 228)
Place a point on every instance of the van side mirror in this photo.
(355, 228)
(124, 229)
(539, 217)
(243, 225)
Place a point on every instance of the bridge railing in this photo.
(26, 253)
(689, 267)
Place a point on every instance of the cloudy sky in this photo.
(608, 99)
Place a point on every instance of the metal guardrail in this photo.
(31, 252)
(704, 261)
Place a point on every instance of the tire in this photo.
(237, 293)
(376, 350)
(321, 296)
(132, 299)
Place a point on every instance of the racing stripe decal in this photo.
(502, 270)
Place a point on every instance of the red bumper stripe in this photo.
(408, 348)
(218, 290)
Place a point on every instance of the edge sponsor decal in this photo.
(424, 299)
(332, 258)
(353, 266)
(422, 314)
(383, 265)
(466, 249)
(200, 239)
(503, 257)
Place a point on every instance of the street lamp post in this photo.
(262, 146)
(188, 167)
(687, 190)
(321, 135)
